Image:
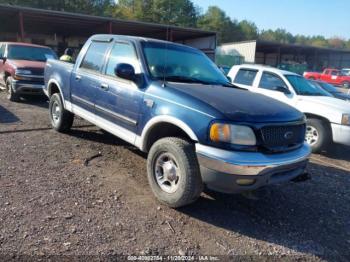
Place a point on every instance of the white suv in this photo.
(328, 118)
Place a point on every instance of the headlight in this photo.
(23, 72)
(345, 120)
(233, 134)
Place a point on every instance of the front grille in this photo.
(37, 71)
(282, 138)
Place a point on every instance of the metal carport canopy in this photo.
(25, 21)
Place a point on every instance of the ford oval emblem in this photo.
(288, 135)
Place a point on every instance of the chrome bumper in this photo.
(23, 87)
(341, 134)
(221, 169)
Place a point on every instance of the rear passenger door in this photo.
(87, 78)
(119, 100)
(270, 84)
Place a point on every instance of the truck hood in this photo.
(330, 103)
(240, 105)
(27, 64)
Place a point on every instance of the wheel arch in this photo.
(164, 126)
(323, 119)
(54, 87)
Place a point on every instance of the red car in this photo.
(22, 68)
(331, 76)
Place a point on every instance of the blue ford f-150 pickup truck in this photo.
(171, 101)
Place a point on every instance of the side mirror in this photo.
(125, 71)
(3, 59)
(283, 90)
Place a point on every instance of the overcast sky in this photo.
(309, 17)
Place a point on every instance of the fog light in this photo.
(245, 182)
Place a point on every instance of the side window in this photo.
(327, 72)
(271, 82)
(94, 56)
(335, 73)
(245, 77)
(121, 53)
(2, 50)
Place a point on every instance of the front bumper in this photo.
(224, 170)
(27, 87)
(341, 134)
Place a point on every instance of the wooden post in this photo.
(110, 27)
(21, 26)
(169, 34)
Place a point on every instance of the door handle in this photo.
(104, 87)
(77, 77)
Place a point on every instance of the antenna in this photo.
(166, 43)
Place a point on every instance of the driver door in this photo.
(272, 85)
(119, 100)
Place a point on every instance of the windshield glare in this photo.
(304, 87)
(30, 53)
(329, 88)
(181, 64)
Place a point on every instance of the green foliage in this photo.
(216, 20)
(94, 7)
(181, 13)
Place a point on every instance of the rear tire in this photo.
(318, 134)
(173, 172)
(61, 119)
(11, 95)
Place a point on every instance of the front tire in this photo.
(318, 135)
(11, 95)
(173, 172)
(346, 84)
(61, 119)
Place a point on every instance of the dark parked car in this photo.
(332, 90)
(22, 68)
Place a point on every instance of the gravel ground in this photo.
(54, 202)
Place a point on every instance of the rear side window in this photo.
(121, 53)
(271, 82)
(94, 57)
(2, 50)
(245, 77)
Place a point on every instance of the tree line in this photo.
(182, 13)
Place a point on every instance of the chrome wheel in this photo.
(55, 113)
(311, 136)
(167, 173)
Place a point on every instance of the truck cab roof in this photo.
(110, 37)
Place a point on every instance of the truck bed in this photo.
(60, 72)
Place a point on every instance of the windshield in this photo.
(17, 52)
(304, 87)
(328, 87)
(181, 64)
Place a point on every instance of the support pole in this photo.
(110, 27)
(21, 25)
